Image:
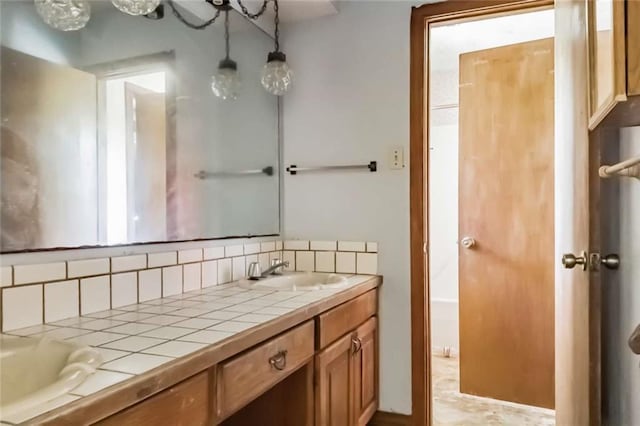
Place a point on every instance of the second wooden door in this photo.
(506, 224)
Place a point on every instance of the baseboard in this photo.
(383, 418)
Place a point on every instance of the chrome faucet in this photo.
(255, 273)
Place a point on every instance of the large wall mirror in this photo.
(111, 134)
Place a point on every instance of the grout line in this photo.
(182, 271)
(138, 286)
(43, 304)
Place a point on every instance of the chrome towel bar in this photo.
(208, 175)
(372, 167)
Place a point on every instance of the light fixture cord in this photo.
(276, 9)
(226, 33)
(181, 18)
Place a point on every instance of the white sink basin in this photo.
(37, 370)
(297, 281)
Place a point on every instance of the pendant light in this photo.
(225, 83)
(276, 74)
(64, 15)
(136, 7)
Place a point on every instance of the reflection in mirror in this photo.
(112, 135)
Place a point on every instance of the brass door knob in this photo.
(610, 261)
(569, 261)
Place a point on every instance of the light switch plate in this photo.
(396, 158)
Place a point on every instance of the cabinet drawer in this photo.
(185, 404)
(243, 378)
(346, 317)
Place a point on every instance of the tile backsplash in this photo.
(34, 293)
(342, 257)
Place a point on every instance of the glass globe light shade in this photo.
(136, 7)
(276, 74)
(225, 83)
(64, 15)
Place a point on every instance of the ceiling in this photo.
(301, 10)
(290, 10)
(447, 42)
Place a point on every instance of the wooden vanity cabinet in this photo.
(323, 371)
(347, 379)
(613, 28)
(250, 374)
(346, 390)
(185, 404)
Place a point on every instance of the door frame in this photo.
(421, 18)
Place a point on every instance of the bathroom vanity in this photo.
(317, 364)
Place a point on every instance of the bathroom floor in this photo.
(450, 407)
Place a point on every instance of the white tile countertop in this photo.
(140, 337)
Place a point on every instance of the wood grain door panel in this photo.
(185, 404)
(506, 200)
(334, 386)
(577, 363)
(365, 372)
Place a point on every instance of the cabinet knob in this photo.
(356, 345)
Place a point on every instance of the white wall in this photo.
(443, 235)
(621, 293)
(22, 29)
(350, 105)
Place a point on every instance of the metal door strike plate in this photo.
(634, 340)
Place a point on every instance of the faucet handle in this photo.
(275, 261)
(254, 270)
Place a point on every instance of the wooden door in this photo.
(146, 164)
(365, 372)
(334, 384)
(576, 295)
(506, 204)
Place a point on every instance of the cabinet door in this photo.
(607, 63)
(334, 384)
(365, 372)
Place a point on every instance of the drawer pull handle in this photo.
(279, 360)
(356, 345)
